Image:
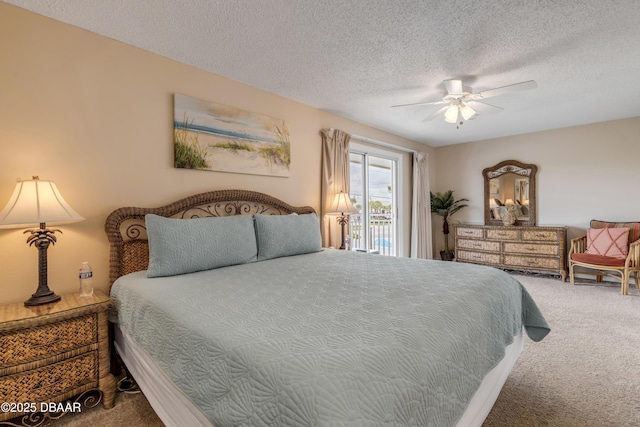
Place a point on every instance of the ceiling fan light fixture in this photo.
(455, 108)
(451, 115)
(467, 112)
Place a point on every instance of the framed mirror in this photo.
(510, 183)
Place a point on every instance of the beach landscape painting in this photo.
(217, 137)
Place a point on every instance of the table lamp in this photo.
(36, 202)
(342, 205)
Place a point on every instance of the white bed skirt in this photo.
(171, 405)
(175, 409)
(487, 394)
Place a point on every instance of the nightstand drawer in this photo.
(55, 379)
(33, 343)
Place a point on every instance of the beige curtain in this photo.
(335, 178)
(421, 234)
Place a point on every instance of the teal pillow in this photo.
(286, 235)
(179, 246)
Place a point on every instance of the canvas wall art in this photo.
(217, 137)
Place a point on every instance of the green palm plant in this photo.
(444, 205)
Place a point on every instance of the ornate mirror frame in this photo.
(515, 167)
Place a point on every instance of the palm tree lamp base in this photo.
(41, 238)
(342, 220)
(42, 299)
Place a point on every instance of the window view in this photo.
(373, 191)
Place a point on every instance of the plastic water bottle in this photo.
(86, 280)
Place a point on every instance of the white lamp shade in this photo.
(451, 115)
(509, 202)
(342, 205)
(34, 202)
(467, 112)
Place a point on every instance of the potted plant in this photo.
(444, 205)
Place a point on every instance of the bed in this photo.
(243, 319)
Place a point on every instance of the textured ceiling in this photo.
(356, 58)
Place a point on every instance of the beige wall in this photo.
(585, 172)
(95, 116)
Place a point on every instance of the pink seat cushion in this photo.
(598, 260)
(608, 242)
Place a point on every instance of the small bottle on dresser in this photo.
(86, 280)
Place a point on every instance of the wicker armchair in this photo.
(606, 266)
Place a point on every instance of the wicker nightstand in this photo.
(53, 352)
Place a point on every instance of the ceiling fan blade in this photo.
(483, 107)
(454, 87)
(531, 84)
(436, 113)
(420, 103)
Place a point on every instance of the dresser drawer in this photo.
(498, 234)
(531, 262)
(469, 232)
(531, 248)
(479, 257)
(55, 379)
(29, 344)
(540, 235)
(479, 244)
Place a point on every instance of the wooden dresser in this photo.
(516, 247)
(53, 352)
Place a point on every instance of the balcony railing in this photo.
(381, 235)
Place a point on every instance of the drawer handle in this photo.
(477, 245)
(467, 233)
(34, 347)
(530, 249)
(541, 235)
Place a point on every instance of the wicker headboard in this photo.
(127, 233)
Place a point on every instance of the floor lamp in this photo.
(342, 207)
(37, 202)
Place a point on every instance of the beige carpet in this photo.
(586, 373)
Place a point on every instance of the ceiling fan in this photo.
(461, 100)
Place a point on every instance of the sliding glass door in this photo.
(374, 192)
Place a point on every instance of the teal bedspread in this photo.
(332, 338)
